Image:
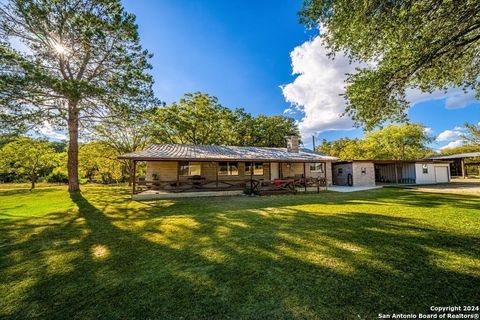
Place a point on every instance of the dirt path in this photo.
(463, 186)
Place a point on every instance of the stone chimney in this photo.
(292, 144)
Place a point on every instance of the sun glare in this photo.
(59, 48)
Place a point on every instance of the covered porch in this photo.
(176, 179)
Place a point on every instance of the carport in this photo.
(462, 164)
(411, 171)
(394, 172)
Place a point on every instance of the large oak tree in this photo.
(72, 63)
(199, 118)
(422, 44)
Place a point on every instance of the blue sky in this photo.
(244, 52)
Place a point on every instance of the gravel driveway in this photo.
(470, 186)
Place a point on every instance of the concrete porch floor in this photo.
(352, 189)
(162, 194)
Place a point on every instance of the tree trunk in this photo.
(33, 178)
(72, 164)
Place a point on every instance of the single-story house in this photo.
(460, 162)
(383, 172)
(179, 167)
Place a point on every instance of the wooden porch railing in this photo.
(256, 185)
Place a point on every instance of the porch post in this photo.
(396, 173)
(462, 162)
(325, 176)
(134, 182)
(178, 175)
(216, 174)
(251, 176)
(305, 176)
(269, 171)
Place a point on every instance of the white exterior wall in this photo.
(429, 178)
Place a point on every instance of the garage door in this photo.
(441, 174)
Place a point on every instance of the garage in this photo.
(428, 172)
(441, 174)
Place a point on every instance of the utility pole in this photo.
(313, 139)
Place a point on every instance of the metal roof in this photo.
(394, 161)
(457, 156)
(222, 153)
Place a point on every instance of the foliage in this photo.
(261, 131)
(344, 148)
(27, 157)
(57, 176)
(82, 59)
(303, 256)
(397, 142)
(394, 142)
(98, 163)
(199, 118)
(425, 45)
(473, 135)
(127, 130)
(7, 137)
(461, 149)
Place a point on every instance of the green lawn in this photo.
(325, 256)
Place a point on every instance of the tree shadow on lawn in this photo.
(26, 191)
(251, 264)
(386, 198)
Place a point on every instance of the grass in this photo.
(327, 256)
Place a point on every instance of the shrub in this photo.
(57, 177)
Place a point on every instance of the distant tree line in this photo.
(197, 118)
(395, 142)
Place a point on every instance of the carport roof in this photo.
(395, 161)
(456, 156)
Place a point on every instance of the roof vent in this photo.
(292, 144)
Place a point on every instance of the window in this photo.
(316, 167)
(190, 168)
(364, 171)
(340, 171)
(255, 167)
(425, 168)
(228, 168)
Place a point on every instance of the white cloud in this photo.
(450, 135)
(49, 132)
(428, 130)
(316, 92)
(453, 144)
(455, 98)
